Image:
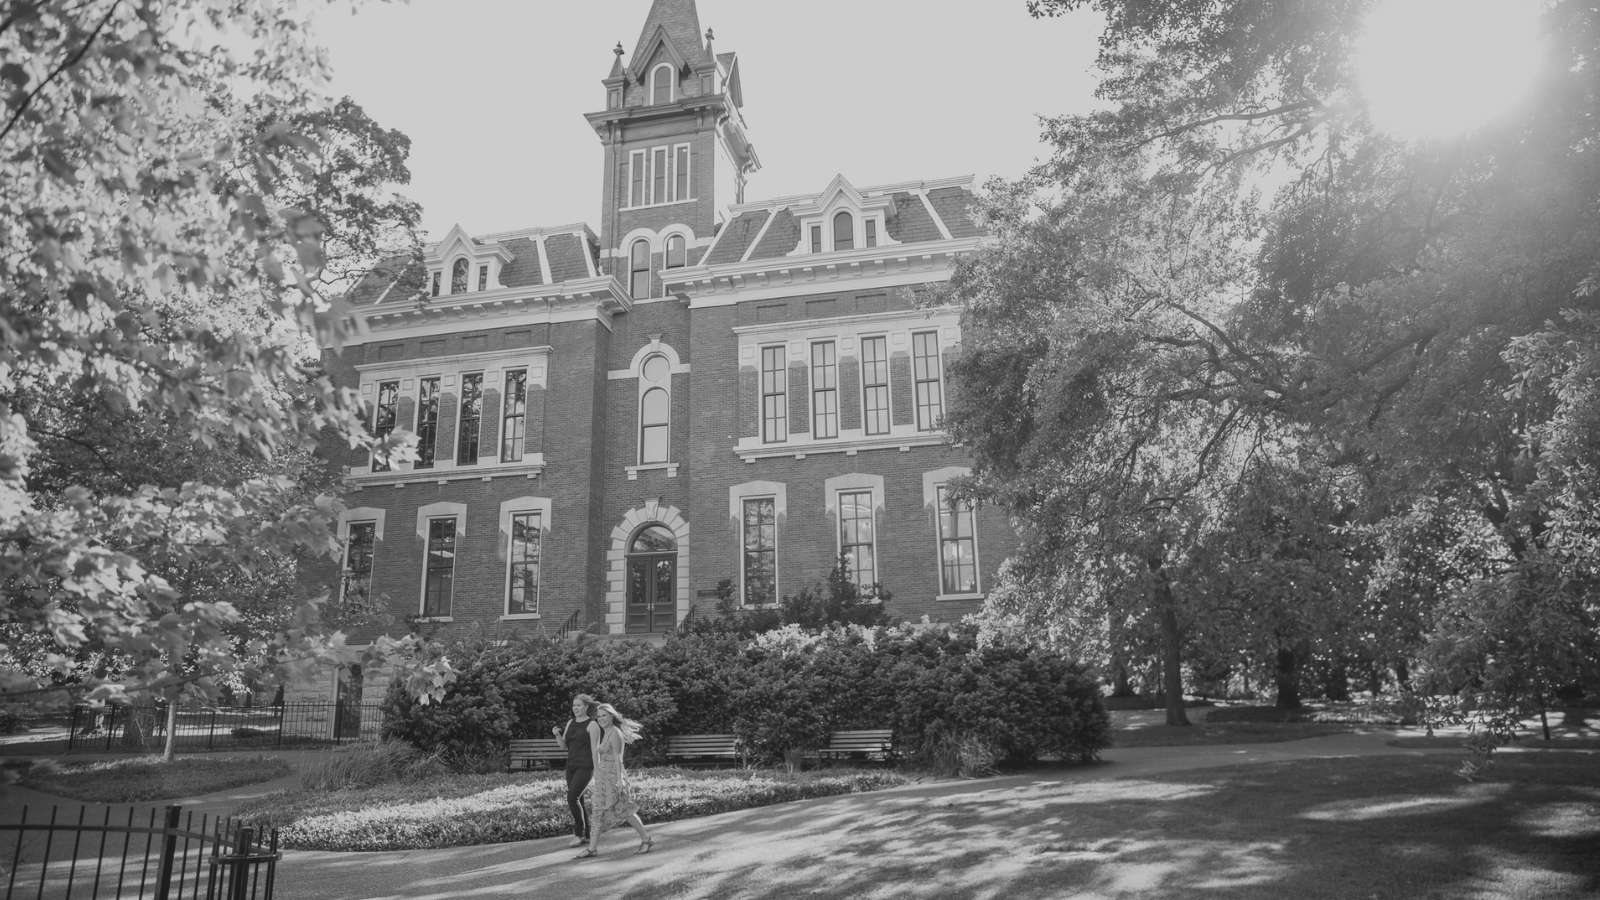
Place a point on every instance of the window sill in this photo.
(531, 466)
(441, 619)
(522, 617)
(670, 468)
(971, 596)
(750, 450)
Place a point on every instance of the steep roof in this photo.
(680, 20)
(399, 279)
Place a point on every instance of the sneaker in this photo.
(577, 842)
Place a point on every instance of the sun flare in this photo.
(1438, 68)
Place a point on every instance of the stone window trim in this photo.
(778, 492)
(658, 86)
(493, 364)
(651, 512)
(426, 515)
(509, 508)
(847, 332)
(361, 514)
(853, 483)
(458, 264)
(840, 205)
(931, 482)
(648, 185)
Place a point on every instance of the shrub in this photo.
(948, 753)
(474, 712)
(11, 724)
(368, 765)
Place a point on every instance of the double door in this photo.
(652, 593)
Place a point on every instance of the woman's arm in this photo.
(561, 736)
(594, 741)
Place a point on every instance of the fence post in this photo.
(239, 876)
(211, 733)
(111, 725)
(280, 726)
(72, 728)
(169, 852)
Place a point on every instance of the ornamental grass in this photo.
(463, 810)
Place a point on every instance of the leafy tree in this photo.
(154, 266)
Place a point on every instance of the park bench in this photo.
(536, 753)
(874, 744)
(702, 749)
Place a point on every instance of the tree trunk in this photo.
(172, 732)
(1402, 675)
(1120, 686)
(1288, 676)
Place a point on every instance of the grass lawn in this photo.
(1349, 828)
(140, 779)
(464, 810)
(1226, 733)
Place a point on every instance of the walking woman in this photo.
(580, 737)
(612, 800)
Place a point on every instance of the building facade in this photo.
(610, 424)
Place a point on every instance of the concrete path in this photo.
(774, 851)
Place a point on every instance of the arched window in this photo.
(661, 85)
(458, 277)
(655, 410)
(677, 252)
(639, 270)
(844, 232)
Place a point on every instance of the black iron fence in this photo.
(166, 857)
(144, 728)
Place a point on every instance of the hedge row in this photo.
(781, 692)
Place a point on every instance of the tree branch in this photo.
(65, 65)
(1225, 117)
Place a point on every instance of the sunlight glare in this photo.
(1438, 68)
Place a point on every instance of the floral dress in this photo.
(610, 798)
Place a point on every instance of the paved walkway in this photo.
(762, 852)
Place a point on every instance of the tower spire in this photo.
(676, 21)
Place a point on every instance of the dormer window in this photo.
(436, 284)
(458, 277)
(677, 252)
(872, 232)
(816, 239)
(844, 232)
(661, 85)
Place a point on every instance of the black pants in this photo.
(577, 780)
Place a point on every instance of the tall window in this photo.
(856, 537)
(925, 363)
(427, 420)
(677, 252)
(816, 239)
(958, 552)
(680, 172)
(439, 585)
(516, 410)
(774, 395)
(844, 232)
(522, 596)
(436, 277)
(655, 412)
(661, 85)
(357, 590)
(483, 278)
(471, 419)
(383, 417)
(658, 171)
(824, 390)
(875, 384)
(872, 232)
(760, 552)
(458, 277)
(636, 178)
(639, 270)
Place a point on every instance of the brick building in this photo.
(709, 387)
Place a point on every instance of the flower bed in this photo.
(141, 779)
(458, 811)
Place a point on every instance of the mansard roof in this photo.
(569, 252)
(770, 229)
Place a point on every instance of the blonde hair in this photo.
(626, 726)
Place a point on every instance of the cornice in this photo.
(790, 275)
(599, 298)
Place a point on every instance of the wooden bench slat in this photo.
(531, 752)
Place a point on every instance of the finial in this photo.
(618, 50)
(709, 35)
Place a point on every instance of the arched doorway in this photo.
(652, 603)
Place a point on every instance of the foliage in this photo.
(173, 186)
(463, 811)
(838, 600)
(142, 779)
(367, 765)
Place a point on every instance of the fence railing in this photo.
(138, 728)
(165, 858)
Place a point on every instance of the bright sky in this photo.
(492, 93)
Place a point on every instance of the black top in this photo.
(580, 751)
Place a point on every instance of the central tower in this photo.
(676, 152)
